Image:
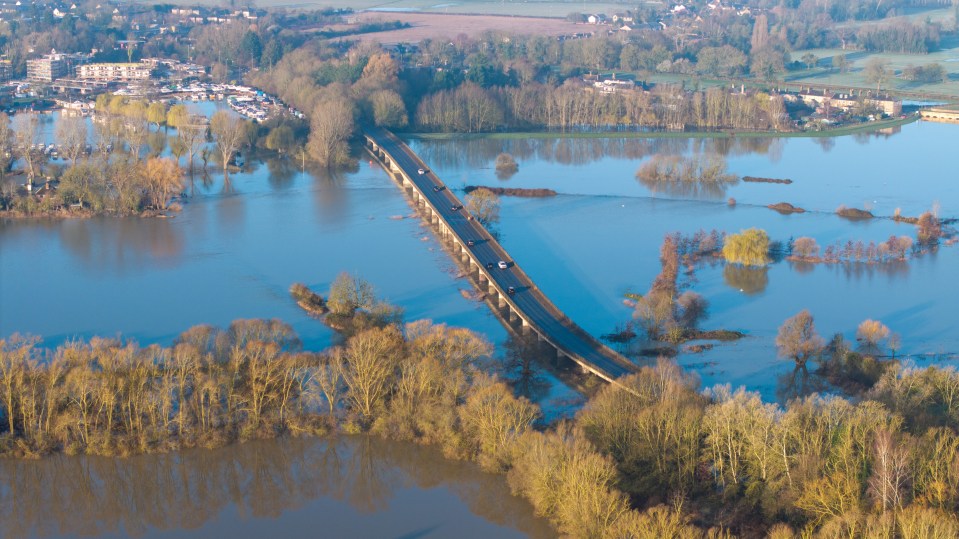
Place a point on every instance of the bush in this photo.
(506, 165)
(309, 300)
(853, 213)
(805, 247)
(930, 229)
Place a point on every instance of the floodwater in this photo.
(233, 253)
(292, 487)
(600, 238)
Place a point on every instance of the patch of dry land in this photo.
(439, 25)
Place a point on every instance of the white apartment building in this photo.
(119, 72)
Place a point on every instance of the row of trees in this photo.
(95, 180)
(470, 108)
(719, 458)
(364, 87)
(664, 312)
(806, 249)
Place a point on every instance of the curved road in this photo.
(534, 306)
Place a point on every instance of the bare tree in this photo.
(7, 140)
(484, 204)
(26, 128)
(331, 124)
(370, 360)
(872, 333)
(72, 137)
(163, 179)
(229, 133)
(876, 71)
(193, 133)
(797, 338)
(890, 474)
(135, 132)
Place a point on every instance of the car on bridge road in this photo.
(511, 290)
(457, 207)
(438, 188)
(470, 243)
(421, 171)
(489, 265)
(502, 264)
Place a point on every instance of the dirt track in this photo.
(433, 26)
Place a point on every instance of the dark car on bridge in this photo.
(470, 243)
(457, 207)
(438, 188)
(511, 290)
(489, 265)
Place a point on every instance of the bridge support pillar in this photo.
(501, 302)
(513, 317)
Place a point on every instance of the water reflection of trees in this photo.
(893, 269)
(480, 152)
(64, 495)
(103, 244)
(797, 384)
(686, 189)
(523, 365)
(745, 279)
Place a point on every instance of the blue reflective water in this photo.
(290, 487)
(600, 238)
(227, 256)
(233, 253)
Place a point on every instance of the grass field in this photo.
(947, 57)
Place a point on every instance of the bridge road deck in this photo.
(533, 309)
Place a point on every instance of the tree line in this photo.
(107, 176)
(663, 459)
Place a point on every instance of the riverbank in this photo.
(252, 381)
(62, 214)
(833, 132)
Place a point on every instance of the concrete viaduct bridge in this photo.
(527, 309)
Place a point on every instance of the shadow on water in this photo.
(143, 495)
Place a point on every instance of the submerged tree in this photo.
(798, 340)
(748, 248)
(229, 133)
(484, 205)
